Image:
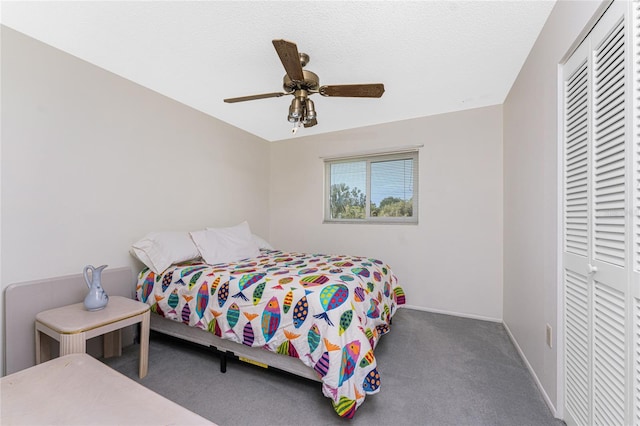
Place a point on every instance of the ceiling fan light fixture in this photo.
(295, 110)
(311, 110)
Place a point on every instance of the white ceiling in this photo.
(432, 56)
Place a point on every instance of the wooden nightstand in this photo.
(72, 325)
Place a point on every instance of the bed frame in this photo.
(229, 349)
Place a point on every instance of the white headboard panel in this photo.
(24, 300)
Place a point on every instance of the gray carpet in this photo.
(435, 369)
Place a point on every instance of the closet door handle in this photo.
(592, 269)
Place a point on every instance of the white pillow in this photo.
(159, 250)
(225, 245)
(260, 242)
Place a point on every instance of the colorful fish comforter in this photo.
(328, 311)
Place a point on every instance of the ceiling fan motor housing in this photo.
(311, 82)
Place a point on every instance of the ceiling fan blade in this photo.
(311, 123)
(288, 53)
(254, 97)
(353, 90)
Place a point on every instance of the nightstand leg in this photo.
(112, 344)
(72, 344)
(144, 344)
(38, 347)
(43, 347)
(38, 355)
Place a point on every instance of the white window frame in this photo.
(371, 158)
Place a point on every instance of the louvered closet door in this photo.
(610, 201)
(634, 293)
(598, 241)
(577, 250)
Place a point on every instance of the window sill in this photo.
(368, 222)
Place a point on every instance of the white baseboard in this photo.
(532, 372)
(455, 314)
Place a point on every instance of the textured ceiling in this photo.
(432, 56)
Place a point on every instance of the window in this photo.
(375, 188)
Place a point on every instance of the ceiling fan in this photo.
(301, 83)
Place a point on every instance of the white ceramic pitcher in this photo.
(96, 298)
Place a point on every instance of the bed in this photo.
(327, 312)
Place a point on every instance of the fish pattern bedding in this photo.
(328, 311)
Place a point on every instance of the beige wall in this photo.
(531, 193)
(452, 260)
(91, 162)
